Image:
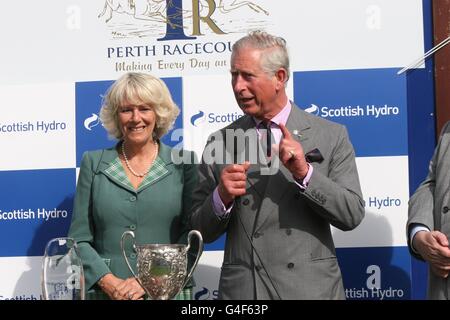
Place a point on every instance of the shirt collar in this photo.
(280, 117)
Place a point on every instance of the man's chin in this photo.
(249, 109)
(138, 139)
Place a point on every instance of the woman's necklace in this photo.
(140, 175)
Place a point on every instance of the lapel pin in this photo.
(296, 133)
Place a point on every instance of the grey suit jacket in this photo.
(293, 255)
(429, 206)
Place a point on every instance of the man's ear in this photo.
(281, 76)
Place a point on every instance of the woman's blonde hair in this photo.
(138, 88)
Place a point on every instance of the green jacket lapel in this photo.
(111, 166)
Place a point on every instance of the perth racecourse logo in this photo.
(180, 19)
(186, 36)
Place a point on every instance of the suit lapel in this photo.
(300, 129)
(240, 151)
(235, 150)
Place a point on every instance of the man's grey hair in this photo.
(274, 53)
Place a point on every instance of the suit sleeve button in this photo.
(290, 265)
(245, 202)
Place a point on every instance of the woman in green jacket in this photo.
(132, 186)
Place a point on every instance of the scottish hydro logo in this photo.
(313, 109)
(38, 126)
(373, 289)
(369, 110)
(201, 118)
(198, 118)
(37, 216)
(91, 122)
(376, 273)
(363, 101)
(90, 134)
(206, 294)
(363, 122)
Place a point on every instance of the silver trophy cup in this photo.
(162, 268)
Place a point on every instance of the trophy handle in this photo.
(199, 252)
(122, 247)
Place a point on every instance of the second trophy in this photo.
(162, 269)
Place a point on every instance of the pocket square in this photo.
(314, 156)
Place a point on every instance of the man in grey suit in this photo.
(277, 211)
(428, 226)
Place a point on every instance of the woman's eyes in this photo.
(140, 109)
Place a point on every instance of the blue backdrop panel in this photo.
(381, 273)
(29, 217)
(370, 103)
(219, 244)
(90, 134)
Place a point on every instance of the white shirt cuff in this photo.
(219, 208)
(416, 228)
(304, 184)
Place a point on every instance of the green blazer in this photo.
(106, 205)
